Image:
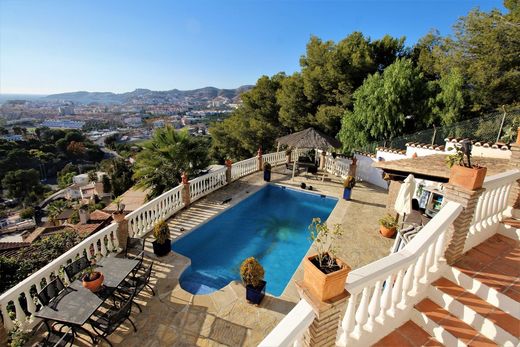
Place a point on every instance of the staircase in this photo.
(475, 303)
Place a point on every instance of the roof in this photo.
(497, 145)
(133, 198)
(309, 138)
(99, 215)
(86, 229)
(66, 214)
(434, 166)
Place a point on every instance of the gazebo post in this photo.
(278, 146)
(294, 164)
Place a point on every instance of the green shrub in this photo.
(251, 272)
(161, 232)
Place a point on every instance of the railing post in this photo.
(122, 232)
(353, 167)
(514, 195)
(460, 227)
(229, 164)
(260, 161)
(185, 190)
(324, 329)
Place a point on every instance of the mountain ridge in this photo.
(143, 95)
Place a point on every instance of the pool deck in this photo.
(174, 317)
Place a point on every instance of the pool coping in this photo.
(234, 204)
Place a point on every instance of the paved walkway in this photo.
(174, 317)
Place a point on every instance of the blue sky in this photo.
(50, 46)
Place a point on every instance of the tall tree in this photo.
(385, 105)
(23, 185)
(166, 156)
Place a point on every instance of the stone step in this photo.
(407, 335)
(513, 222)
(490, 321)
(489, 294)
(447, 328)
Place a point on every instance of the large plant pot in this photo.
(469, 178)
(267, 175)
(346, 193)
(387, 232)
(118, 216)
(162, 249)
(255, 295)
(94, 285)
(324, 286)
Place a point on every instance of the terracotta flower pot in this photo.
(387, 232)
(324, 286)
(94, 285)
(118, 216)
(469, 178)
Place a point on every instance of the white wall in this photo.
(366, 172)
(387, 156)
(421, 152)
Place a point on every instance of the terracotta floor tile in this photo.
(432, 342)
(414, 333)
(481, 256)
(458, 328)
(505, 267)
(495, 246)
(432, 310)
(449, 287)
(393, 340)
(492, 281)
(481, 341)
(513, 294)
(513, 243)
(512, 255)
(476, 303)
(505, 321)
(469, 265)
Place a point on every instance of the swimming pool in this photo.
(270, 225)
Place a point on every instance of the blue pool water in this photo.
(270, 225)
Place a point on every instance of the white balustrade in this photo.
(291, 328)
(390, 286)
(142, 220)
(275, 159)
(243, 168)
(206, 184)
(338, 167)
(490, 207)
(19, 302)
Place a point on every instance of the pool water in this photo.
(270, 225)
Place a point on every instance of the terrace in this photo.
(373, 310)
(176, 315)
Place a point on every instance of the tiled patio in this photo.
(174, 317)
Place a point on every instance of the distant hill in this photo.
(146, 96)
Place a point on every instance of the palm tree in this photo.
(166, 156)
(55, 208)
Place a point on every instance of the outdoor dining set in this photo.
(65, 310)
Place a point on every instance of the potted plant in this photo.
(118, 215)
(388, 225)
(162, 244)
(252, 274)
(92, 279)
(348, 184)
(463, 173)
(267, 172)
(324, 274)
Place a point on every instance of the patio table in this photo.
(76, 304)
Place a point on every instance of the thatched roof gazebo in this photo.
(308, 138)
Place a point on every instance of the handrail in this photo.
(291, 327)
(96, 246)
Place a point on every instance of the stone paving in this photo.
(174, 317)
